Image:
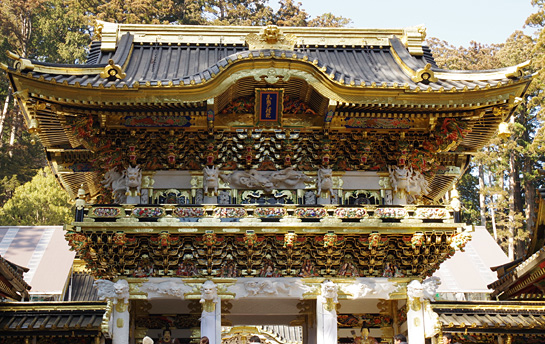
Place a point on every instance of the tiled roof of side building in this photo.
(81, 288)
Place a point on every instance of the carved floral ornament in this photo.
(210, 255)
(271, 38)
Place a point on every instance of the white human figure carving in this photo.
(210, 179)
(133, 179)
(325, 180)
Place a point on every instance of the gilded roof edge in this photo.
(110, 34)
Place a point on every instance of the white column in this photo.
(326, 314)
(121, 322)
(211, 324)
(211, 312)
(415, 313)
(118, 295)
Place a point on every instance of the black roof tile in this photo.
(52, 318)
(185, 64)
(81, 288)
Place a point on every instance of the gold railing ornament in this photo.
(271, 38)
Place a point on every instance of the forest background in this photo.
(497, 191)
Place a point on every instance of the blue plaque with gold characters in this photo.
(269, 104)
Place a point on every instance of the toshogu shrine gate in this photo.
(253, 177)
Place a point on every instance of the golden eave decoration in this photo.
(424, 75)
(112, 71)
(271, 38)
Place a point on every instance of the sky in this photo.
(456, 21)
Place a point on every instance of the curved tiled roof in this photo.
(158, 64)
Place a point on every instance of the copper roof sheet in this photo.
(44, 251)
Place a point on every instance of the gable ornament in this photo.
(271, 38)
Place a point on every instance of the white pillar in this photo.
(117, 294)
(121, 323)
(415, 313)
(211, 324)
(211, 313)
(326, 314)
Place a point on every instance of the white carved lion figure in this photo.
(118, 291)
(209, 292)
(169, 288)
(415, 290)
(117, 183)
(210, 179)
(133, 179)
(430, 286)
(330, 291)
(399, 177)
(417, 185)
(252, 287)
(325, 180)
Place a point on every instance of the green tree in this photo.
(290, 14)
(506, 199)
(238, 12)
(38, 202)
(329, 20)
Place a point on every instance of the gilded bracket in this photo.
(105, 324)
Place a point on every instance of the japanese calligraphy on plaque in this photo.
(268, 106)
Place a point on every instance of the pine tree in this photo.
(38, 202)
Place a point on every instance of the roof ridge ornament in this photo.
(20, 63)
(271, 38)
(112, 71)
